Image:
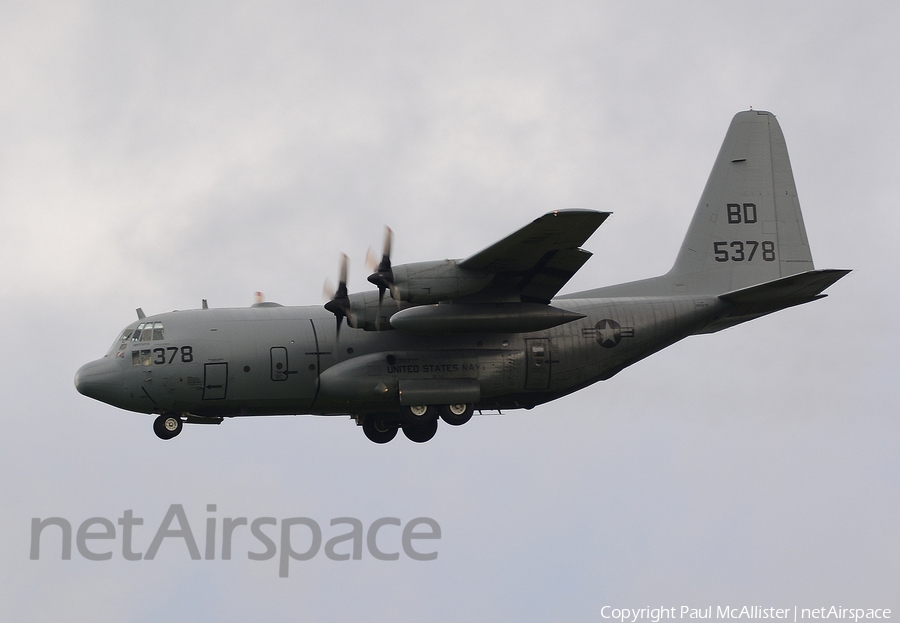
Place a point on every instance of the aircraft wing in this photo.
(535, 262)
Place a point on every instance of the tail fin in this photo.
(747, 231)
(747, 228)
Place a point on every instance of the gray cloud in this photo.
(155, 154)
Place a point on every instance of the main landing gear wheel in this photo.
(419, 422)
(167, 426)
(420, 433)
(379, 428)
(457, 415)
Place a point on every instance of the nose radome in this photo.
(101, 380)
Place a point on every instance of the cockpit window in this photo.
(120, 344)
(146, 332)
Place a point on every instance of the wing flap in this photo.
(542, 283)
(535, 262)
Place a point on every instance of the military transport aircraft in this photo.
(487, 332)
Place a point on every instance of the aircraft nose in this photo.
(101, 380)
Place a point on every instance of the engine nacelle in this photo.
(365, 313)
(421, 283)
(424, 283)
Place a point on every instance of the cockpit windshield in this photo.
(144, 332)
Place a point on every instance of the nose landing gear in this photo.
(167, 426)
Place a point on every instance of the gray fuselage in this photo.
(274, 360)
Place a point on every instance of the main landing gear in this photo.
(379, 428)
(457, 415)
(167, 426)
(419, 422)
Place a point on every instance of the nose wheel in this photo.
(167, 426)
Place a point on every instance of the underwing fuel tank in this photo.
(481, 318)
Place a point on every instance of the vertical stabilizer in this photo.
(747, 228)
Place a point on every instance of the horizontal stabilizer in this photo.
(801, 287)
(772, 296)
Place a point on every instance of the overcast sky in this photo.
(153, 154)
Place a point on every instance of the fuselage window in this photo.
(141, 358)
(157, 331)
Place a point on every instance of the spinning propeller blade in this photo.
(339, 305)
(383, 276)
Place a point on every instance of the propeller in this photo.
(339, 303)
(383, 276)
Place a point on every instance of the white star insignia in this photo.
(608, 333)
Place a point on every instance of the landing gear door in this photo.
(537, 363)
(215, 381)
